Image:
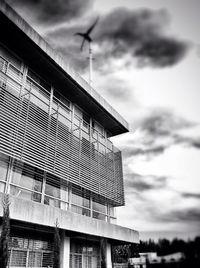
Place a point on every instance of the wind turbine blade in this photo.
(92, 26)
(82, 44)
(81, 34)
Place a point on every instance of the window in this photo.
(4, 160)
(85, 148)
(84, 254)
(99, 207)
(26, 252)
(38, 80)
(26, 182)
(15, 61)
(56, 192)
(80, 201)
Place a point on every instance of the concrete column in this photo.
(108, 256)
(64, 251)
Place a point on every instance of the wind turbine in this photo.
(86, 37)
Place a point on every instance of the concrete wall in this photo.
(32, 212)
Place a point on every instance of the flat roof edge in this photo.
(58, 60)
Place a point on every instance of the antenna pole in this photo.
(90, 63)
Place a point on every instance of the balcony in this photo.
(46, 215)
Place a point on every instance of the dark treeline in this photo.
(190, 249)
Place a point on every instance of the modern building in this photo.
(56, 160)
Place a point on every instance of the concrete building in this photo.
(56, 160)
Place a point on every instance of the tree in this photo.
(5, 233)
(56, 257)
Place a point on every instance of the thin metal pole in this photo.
(90, 64)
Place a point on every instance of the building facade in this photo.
(56, 160)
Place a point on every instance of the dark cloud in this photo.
(190, 195)
(162, 123)
(133, 151)
(187, 215)
(52, 11)
(159, 130)
(160, 52)
(139, 34)
(196, 143)
(144, 183)
(131, 36)
(189, 141)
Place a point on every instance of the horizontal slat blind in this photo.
(46, 139)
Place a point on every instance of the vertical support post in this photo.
(64, 251)
(90, 167)
(105, 253)
(90, 64)
(43, 187)
(9, 175)
(48, 127)
(70, 196)
(108, 255)
(51, 100)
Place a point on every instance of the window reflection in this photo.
(4, 160)
(26, 182)
(56, 192)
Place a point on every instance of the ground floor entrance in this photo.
(84, 254)
(32, 246)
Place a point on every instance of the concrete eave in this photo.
(31, 45)
(44, 215)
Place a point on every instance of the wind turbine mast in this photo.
(90, 64)
(86, 37)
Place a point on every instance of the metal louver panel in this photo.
(26, 252)
(45, 136)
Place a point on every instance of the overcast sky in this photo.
(147, 65)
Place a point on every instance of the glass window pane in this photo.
(111, 211)
(99, 207)
(4, 160)
(27, 176)
(99, 216)
(3, 170)
(79, 210)
(51, 202)
(80, 197)
(25, 194)
(2, 187)
(56, 188)
(53, 190)
(64, 205)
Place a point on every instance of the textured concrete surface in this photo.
(32, 212)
